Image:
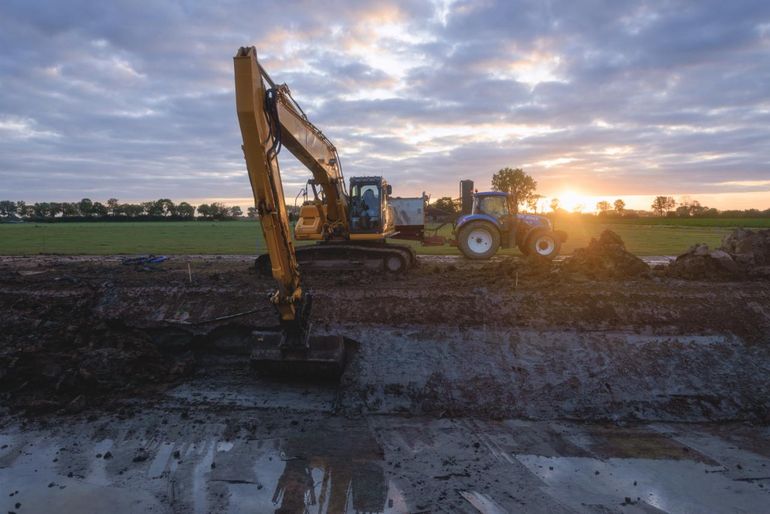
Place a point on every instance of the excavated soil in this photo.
(743, 255)
(509, 338)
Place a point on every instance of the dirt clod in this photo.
(141, 455)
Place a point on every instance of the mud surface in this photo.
(207, 455)
(508, 386)
(508, 338)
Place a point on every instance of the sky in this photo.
(595, 99)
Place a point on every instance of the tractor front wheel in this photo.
(543, 244)
(478, 240)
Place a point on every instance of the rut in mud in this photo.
(509, 338)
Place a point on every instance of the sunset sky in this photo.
(596, 100)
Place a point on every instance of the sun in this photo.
(571, 201)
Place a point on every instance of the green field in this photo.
(644, 236)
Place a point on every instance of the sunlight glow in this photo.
(572, 201)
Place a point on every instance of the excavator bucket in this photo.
(294, 353)
(322, 359)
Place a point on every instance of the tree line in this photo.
(517, 181)
(86, 209)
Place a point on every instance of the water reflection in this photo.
(342, 477)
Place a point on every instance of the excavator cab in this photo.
(369, 210)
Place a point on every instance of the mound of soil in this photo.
(748, 247)
(699, 263)
(743, 254)
(605, 258)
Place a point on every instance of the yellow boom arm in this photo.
(261, 152)
(312, 148)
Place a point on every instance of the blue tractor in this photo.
(490, 220)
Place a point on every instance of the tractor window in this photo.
(365, 207)
(495, 206)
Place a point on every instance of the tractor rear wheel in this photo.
(478, 240)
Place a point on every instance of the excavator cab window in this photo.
(365, 207)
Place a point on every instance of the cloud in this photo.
(134, 99)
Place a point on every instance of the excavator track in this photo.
(333, 256)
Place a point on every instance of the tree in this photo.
(21, 208)
(251, 212)
(620, 206)
(185, 210)
(235, 211)
(70, 209)
(603, 207)
(515, 181)
(204, 210)
(554, 204)
(532, 202)
(132, 210)
(218, 211)
(165, 207)
(696, 209)
(113, 206)
(41, 209)
(445, 204)
(99, 209)
(85, 206)
(153, 208)
(7, 208)
(55, 208)
(662, 205)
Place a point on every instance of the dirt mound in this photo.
(605, 258)
(743, 254)
(748, 247)
(699, 263)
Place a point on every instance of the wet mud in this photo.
(501, 339)
(507, 386)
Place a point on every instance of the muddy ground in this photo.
(472, 387)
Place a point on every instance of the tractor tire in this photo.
(542, 244)
(478, 240)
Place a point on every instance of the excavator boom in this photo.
(311, 147)
(258, 107)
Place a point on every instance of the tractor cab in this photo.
(495, 204)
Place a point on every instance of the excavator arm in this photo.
(261, 143)
(269, 119)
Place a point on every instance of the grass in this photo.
(643, 236)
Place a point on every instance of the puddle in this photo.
(668, 485)
(32, 482)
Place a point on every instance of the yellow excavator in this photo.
(349, 227)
